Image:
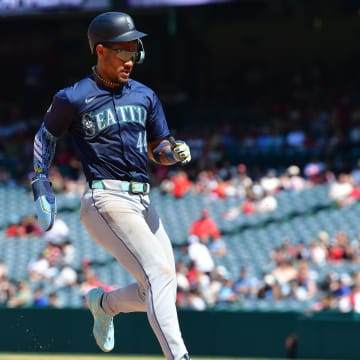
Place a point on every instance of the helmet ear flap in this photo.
(140, 55)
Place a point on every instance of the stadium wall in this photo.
(215, 333)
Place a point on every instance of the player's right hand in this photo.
(45, 201)
(181, 152)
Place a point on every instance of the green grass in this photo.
(43, 356)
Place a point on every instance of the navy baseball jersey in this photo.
(110, 128)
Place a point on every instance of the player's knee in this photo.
(169, 278)
(164, 277)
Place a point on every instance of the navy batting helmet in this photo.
(112, 27)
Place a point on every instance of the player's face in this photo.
(116, 60)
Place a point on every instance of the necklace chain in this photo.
(104, 81)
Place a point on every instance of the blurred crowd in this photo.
(309, 118)
(293, 269)
(307, 113)
(203, 282)
(292, 275)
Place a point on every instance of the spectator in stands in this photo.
(66, 277)
(204, 227)
(282, 252)
(202, 281)
(82, 270)
(68, 252)
(59, 232)
(15, 227)
(341, 189)
(296, 137)
(318, 252)
(183, 283)
(340, 286)
(53, 301)
(200, 255)
(241, 180)
(247, 206)
(354, 299)
(30, 226)
(325, 303)
(306, 281)
(269, 288)
(39, 268)
(40, 300)
(340, 248)
(325, 283)
(284, 272)
(211, 291)
(178, 184)
(53, 254)
(3, 269)
(7, 289)
(356, 278)
(217, 246)
(194, 300)
(23, 227)
(270, 182)
(92, 281)
(355, 194)
(287, 250)
(302, 251)
(291, 180)
(246, 286)
(223, 189)
(57, 180)
(206, 182)
(265, 139)
(23, 296)
(317, 173)
(324, 237)
(226, 294)
(73, 190)
(266, 203)
(192, 274)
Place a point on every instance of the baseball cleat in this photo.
(186, 357)
(103, 329)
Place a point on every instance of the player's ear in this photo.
(99, 49)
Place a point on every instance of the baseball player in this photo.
(117, 124)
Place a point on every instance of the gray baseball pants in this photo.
(128, 227)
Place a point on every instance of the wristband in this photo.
(158, 151)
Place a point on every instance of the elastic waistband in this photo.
(133, 187)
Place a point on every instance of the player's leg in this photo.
(157, 228)
(116, 221)
(129, 298)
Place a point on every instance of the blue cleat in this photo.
(103, 329)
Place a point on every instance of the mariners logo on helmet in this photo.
(130, 23)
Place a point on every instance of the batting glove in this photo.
(181, 152)
(45, 202)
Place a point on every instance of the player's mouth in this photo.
(125, 74)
